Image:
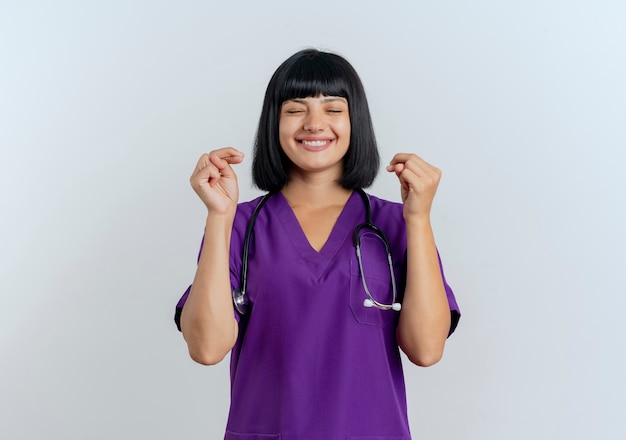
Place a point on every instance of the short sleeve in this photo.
(244, 211)
(389, 217)
(234, 281)
(179, 307)
(455, 312)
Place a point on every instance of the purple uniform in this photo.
(311, 362)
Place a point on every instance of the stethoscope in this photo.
(240, 298)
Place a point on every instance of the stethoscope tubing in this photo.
(240, 297)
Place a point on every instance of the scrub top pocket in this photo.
(379, 284)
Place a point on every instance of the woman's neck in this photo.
(299, 192)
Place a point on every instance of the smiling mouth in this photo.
(315, 143)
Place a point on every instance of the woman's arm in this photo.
(207, 321)
(425, 317)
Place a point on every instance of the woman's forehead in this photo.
(322, 98)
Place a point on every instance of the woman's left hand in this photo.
(418, 182)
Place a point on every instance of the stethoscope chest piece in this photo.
(240, 300)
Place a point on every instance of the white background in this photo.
(106, 106)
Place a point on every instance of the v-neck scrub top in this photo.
(311, 361)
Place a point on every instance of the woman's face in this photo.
(314, 133)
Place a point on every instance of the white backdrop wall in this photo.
(106, 106)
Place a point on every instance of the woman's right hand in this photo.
(215, 182)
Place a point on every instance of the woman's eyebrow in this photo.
(334, 98)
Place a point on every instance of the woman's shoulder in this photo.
(380, 203)
(244, 212)
(241, 221)
(246, 208)
(386, 212)
(388, 216)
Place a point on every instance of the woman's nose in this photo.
(314, 121)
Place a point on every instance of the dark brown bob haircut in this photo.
(311, 73)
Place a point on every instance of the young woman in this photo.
(332, 282)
